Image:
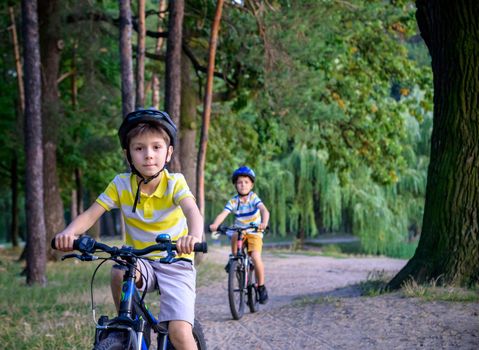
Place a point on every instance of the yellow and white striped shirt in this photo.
(157, 213)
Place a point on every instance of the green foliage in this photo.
(343, 124)
(333, 114)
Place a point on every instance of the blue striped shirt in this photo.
(245, 212)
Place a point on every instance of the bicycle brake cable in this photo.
(93, 306)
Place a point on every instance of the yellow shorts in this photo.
(255, 243)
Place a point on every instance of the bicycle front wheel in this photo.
(236, 277)
(114, 341)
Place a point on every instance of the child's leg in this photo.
(116, 280)
(258, 266)
(234, 243)
(181, 335)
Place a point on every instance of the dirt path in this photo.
(315, 305)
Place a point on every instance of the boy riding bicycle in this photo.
(248, 209)
(152, 201)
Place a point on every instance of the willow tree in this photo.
(449, 245)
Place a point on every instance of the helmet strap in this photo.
(142, 179)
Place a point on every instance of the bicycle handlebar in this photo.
(87, 244)
(224, 228)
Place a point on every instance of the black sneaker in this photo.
(263, 294)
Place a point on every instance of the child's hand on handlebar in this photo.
(262, 227)
(64, 241)
(213, 227)
(186, 244)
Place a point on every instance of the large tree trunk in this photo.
(189, 101)
(127, 86)
(36, 233)
(50, 47)
(173, 71)
(200, 177)
(448, 249)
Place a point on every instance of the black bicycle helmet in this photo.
(243, 171)
(151, 116)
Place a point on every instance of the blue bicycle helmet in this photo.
(243, 171)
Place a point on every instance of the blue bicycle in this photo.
(131, 329)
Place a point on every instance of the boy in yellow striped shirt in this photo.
(152, 201)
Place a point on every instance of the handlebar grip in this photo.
(201, 247)
(76, 244)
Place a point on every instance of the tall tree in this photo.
(155, 79)
(127, 85)
(140, 56)
(200, 178)
(173, 70)
(51, 46)
(189, 103)
(36, 232)
(449, 245)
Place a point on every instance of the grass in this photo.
(375, 283)
(434, 292)
(58, 315)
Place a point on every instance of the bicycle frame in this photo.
(241, 275)
(133, 316)
(134, 320)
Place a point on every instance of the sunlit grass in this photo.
(434, 292)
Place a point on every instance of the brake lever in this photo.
(170, 258)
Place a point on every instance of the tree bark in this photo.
(207, 108)
(36, 232)
(155, 80)
(448, 249)
(50, 49)
(173, 72)
(127, 85)
(189, 102)
(140, 56)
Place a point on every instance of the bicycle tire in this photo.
(253, 297)
(114, 341)
(199, 336)
(235, 289)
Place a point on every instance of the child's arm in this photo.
(219, 219)
(264, 217)
(195, 226)
(64, 240)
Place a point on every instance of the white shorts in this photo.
(177, 285)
